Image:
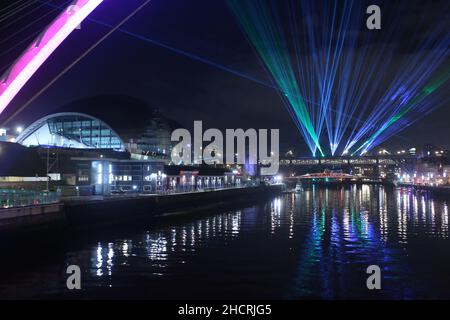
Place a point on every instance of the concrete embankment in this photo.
(31, 217)
(83, 212)
(121, 209)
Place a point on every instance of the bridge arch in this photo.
(13, 80)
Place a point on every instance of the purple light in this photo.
(40, 50)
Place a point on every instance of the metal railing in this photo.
(10, 198)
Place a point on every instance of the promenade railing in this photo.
(10, 198)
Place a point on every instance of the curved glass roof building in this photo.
(115, 122)
(71, 130)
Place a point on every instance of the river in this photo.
(315, 244)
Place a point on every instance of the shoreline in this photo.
(79, 213)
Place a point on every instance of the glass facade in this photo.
(156, 137)
(71, 130)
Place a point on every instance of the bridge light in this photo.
(39, 51)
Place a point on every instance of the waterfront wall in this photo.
(146, 206)
(31, 217)
(80, 212)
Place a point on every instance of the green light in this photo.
(426, 91)
(266, 37)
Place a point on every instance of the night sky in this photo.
(183, 88)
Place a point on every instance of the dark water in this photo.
(317, 244)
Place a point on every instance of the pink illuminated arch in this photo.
(41, 49)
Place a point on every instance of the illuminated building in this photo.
(71, 130)
(112, 122)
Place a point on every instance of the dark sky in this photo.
(181, 87)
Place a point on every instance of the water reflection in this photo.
(332, 233)
(317, 243)
(355, 232)
(157, 246)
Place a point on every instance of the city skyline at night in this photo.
(234, 158)
(217, 66)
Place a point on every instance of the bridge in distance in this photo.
(371, 166)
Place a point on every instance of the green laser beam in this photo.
(266, 37)
(426, 91)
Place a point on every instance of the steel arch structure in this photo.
(20, 72)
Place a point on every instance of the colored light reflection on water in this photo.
(316, 244)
